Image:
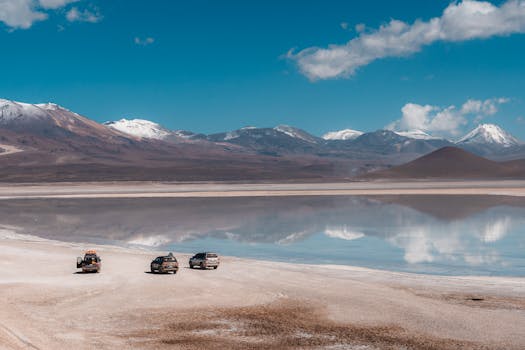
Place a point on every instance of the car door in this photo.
(198, 259)
(156, 263)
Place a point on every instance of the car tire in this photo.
(152, 270)
(191, 266)
(202, 266)
(215, 267)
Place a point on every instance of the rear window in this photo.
(170, 259)
(212, 255)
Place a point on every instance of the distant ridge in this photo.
(453, 163)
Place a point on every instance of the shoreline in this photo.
(122, 301)
(205, 190)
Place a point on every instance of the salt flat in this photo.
(244, 304)
(159, 189)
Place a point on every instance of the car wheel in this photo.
(152, 270)
(191, 266)
(215, 267)
(202, 266)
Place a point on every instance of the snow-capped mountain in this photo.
(140, 128)
(489, 134)
(417, 134)
(185, 134)
(296, 133)
(346, 134)
(281, 139)
(50, 120)
(15, 112)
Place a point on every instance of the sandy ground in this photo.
(152, 189)
(245, 304)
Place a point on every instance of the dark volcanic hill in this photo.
(453, 163)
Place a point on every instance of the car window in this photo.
(212, 255)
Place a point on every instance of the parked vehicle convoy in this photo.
(205, 260)
(165, 264)
(90, 263)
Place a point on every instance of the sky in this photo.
(209, 66)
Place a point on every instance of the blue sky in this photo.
(211, 66)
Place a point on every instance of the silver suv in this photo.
(164, 264)
(205, 260)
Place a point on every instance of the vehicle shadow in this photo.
(84, 273)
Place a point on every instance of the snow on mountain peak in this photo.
(140, 128)
(49, 106)
(11, 110)
(489, 134)
(346, 134)
(416, 134)
(295, 133)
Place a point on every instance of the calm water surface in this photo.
(453, 235)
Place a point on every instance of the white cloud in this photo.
(54, 4)
(487, 107)
(144, 41)
(20, 14)
(447, 121)
(460, 21)
(76, 15)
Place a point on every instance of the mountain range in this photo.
(486, 140)
(48, 142)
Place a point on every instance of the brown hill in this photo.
(452, 163)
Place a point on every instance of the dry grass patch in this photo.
(283, 325)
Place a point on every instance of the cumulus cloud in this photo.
(460, 21)
(22, 14)
(144, 41)
(76, 15)
(447, 121)
(54, 4)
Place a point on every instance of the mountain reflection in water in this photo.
(482, 235)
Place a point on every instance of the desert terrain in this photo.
(245, 304)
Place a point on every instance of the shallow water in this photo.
(452, 235)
